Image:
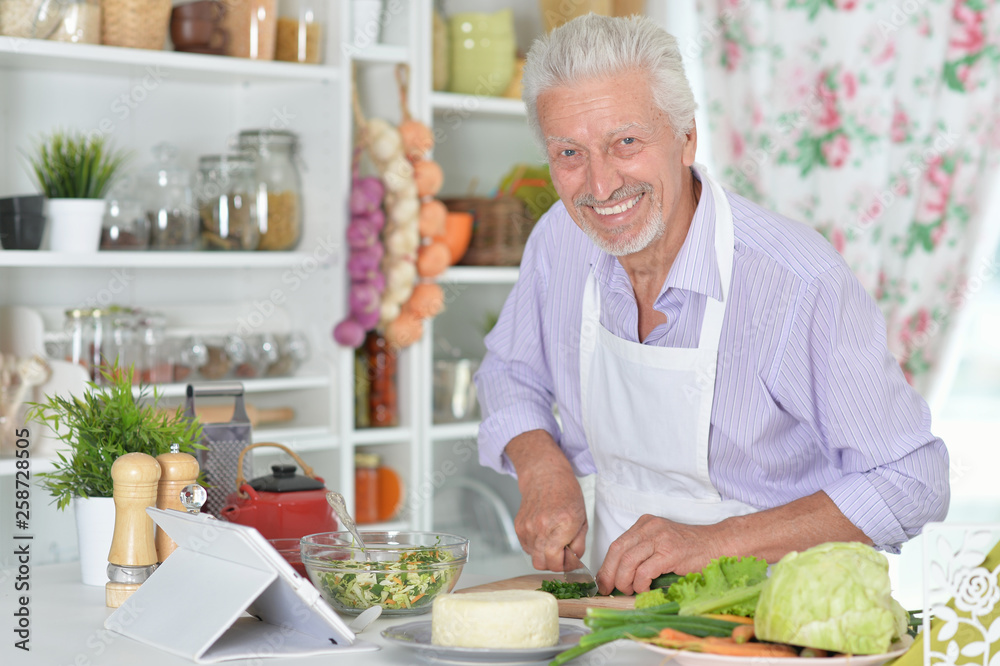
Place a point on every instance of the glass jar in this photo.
(120, 347)
(79, 338)
(362, 387)
(300, 31)
(279, 187)
(366, 487)
(252, 28)
(225, 190)
(125, 226)
(99, 322)
(76, 21)
(191, 355)
(17, 17)
(155, 360)
(293, 350)
(381, 373)
(165, 190)
(224, 354)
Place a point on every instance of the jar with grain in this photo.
(252, 26)
(18, 17)
(300, 31)
(225, 189)
(76, 21)
(279, 187)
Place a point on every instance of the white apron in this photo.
(646, 412)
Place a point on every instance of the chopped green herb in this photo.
(565, 590)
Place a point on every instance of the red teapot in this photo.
(283, 504)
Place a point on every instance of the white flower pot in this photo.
(95, 526)
(74, 225)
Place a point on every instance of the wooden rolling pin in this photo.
(223, 413)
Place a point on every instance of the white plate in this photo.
(417, 636)
(687, 658)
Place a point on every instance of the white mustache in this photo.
(623, 192)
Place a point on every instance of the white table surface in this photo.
(67, 629)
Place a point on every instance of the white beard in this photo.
(649, 230)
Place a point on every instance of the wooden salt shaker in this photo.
(176, 471)
(133, 552)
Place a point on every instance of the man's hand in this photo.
(651, 547)
(655, 546)
(552, 512)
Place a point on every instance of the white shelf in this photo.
(151, 259)
(42, 55)
(179, 390)
(480, 275)
(446, 431)
(373, 436)
(382, 53)
(444, 102)
(297, 439)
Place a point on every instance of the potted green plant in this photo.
(107, 421)
(74, 171)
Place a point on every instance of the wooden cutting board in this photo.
(575, 608)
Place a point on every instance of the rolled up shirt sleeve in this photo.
(514, 384)
(838, 376)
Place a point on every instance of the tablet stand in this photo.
(225, 593)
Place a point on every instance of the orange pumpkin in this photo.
(457, 234)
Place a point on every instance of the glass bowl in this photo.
(405, 572)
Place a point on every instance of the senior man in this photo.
(715, 365)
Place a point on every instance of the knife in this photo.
(575, 571)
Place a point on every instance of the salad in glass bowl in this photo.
(402, 573)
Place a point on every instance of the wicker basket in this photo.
(137, 24)
(500, 228)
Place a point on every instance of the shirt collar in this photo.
(695, 268)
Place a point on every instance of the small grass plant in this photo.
(74, 165)
(106, 422)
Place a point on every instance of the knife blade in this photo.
(575, 571)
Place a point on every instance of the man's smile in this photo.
(620, 208)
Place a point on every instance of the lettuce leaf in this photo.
(726, 585)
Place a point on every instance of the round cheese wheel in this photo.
(501, 619)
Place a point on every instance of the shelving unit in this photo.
(138, 98)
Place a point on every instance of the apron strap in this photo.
(715, 310)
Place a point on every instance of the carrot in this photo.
(677, 640)
(742, 633)
(673, 635)
(730, 618)
(422, 594)
(726, 646)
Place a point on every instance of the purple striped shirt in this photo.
(807, 395)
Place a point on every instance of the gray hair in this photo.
(596, 46)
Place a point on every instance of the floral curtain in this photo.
(877, 123)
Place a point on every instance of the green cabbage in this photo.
(834, 596)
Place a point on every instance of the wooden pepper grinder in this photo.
(133, 552)
(177, 470)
